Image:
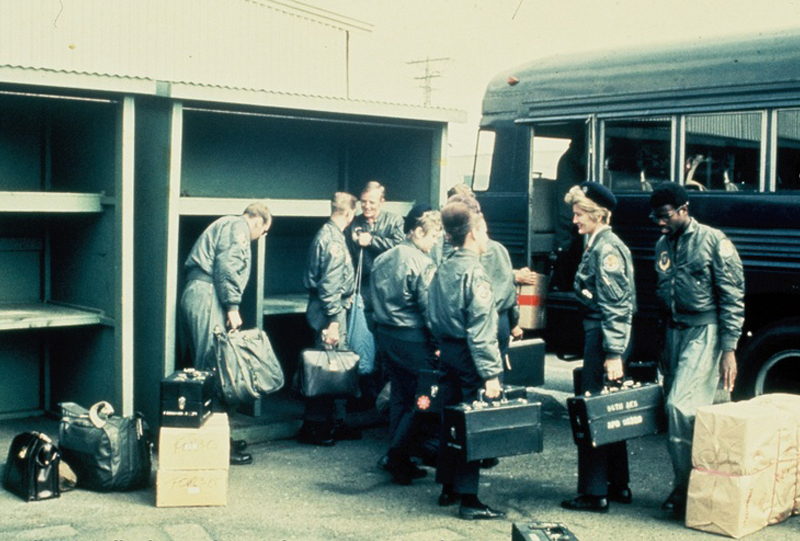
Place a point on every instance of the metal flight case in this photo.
(186, 398)
(617, 413)
(491, 429)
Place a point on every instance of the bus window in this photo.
(547, 152)
(723, 152)
(484, 153)
(788, 177)
(636, 153)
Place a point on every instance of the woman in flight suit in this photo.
(605, 288)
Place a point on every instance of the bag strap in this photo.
(359, 270)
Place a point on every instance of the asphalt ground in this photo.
(298, 492)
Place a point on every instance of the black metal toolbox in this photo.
(524, 364)
(617, 414)
(541, 531)
(490, 429)
(186, 398)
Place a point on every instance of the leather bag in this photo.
(246, 366)
(328, 372)
(359, 337)
(32, 467)
(107, 452)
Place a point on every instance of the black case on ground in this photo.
(186, 398)
(503, 427)
(32, 467)
(524, 364)
(617, 414)
(541, 531)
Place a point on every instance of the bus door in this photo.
(559, 161)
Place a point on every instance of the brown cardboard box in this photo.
(204, 448)
(190, 488)
(531, 299)
(736, 438)
(732, 505)
(790, 453)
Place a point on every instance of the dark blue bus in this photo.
(721, 118)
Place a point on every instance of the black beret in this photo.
(599, 194)
(413, 215)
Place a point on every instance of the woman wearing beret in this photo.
(605, 289)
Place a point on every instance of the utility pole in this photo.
(428, 77)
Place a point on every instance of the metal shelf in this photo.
(61, 202)
(44, 315)
(221, 206)
(293, 303)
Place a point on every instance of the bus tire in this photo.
(771, 361)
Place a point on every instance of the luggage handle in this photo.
(483, 402)
(101, 408)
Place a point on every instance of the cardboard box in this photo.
(789, 405)
(732, 505)
(531, 299)
(736, 438)
(191, 488)
(204, 448)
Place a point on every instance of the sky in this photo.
(482, 38)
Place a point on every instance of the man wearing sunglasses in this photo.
(701, 289)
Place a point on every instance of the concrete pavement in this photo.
(297, 492)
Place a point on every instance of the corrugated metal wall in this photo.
(237, 43)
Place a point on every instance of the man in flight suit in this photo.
(701, 289)
(372, 233)
(330, 282)
(217, 271)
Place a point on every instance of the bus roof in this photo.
(723, 74)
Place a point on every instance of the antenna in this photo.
(429, 75)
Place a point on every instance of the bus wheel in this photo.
(771, 362)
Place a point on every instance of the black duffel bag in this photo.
(32, 467)
(107, 452)
(246, 366)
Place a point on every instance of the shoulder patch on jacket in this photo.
(664, 262)
(726, 248)
(336, 250)
(611, 263)
(484, 289)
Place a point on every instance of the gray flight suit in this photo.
(463, 317)
(217, 271)
(604, 285)
(701, 286)
(400, 280)
(330, 281)
(497, 264)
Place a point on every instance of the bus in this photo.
(721, 118)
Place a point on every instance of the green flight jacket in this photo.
(462, 307)
(221, 255)
(701, 281)
(400, 280)
(606, 290)
(497, 264)
(329, 278)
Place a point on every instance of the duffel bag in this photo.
(246, 366)
(32, 467)
(107, 452)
